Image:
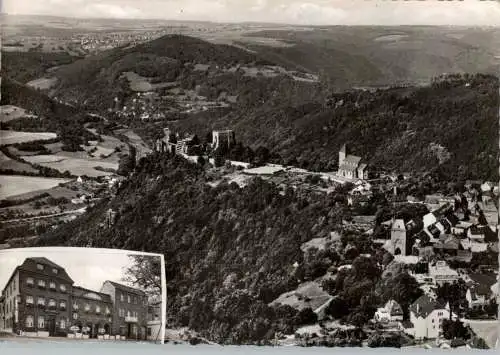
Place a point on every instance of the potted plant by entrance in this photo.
(73, 329)
(85, 331)
(101, 332)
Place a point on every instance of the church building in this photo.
(350, 166)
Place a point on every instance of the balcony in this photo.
(53, 287)
(41, 284)
(130, 319)
(41, 305)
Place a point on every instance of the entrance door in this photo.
(51, 326)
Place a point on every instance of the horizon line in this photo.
(277, 24)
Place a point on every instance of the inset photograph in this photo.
(82, 293)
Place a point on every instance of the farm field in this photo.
(10, 112)
(12, 137)
(75, 166)
(7, 163)
(13, 185)
(42, 83)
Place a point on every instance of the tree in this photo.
(201, 161)
(454, 330)
(306, 316)
(337, 308)
(145, 272)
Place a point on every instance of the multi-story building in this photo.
(2, 315)
(154, 321)
(37, 296)
(130, 309)
(93, 310)
(40, 299)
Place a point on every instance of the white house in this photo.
(441, 273)
(391, 312)
(426, 317)
(479, 293)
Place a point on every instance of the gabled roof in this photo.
(352, 159)
(424, 306)
(29, 264)
(83, 292)
(394, 308)
(126, 288)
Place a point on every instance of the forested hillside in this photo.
(229, 251)
(451, 125)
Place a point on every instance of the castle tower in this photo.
(342, 154)
(398, 237)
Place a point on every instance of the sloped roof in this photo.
(394, 308)
(482, 283)
(424, 306)
(127, 288)
(82, 292)
(352, 159)
(29, 264)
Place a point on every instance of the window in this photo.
(108, 311)
(41, 301)
(52, 303)
(39, 266)
(41, 283)
(41, 322)
(29, 300)
(62, 324)
(30, 281)
(75, 305)
(62, 304)
(63, 288)
(128, 299)
(75, 315)
(122, 297)
(30, 322)
(55, 271)
(97, 309)
(440, 314)
(128, 313)
(52, 285)
(149, 331)
(87, 307)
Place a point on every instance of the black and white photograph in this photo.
(81, 293)
(314, 173)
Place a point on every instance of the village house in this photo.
(441, 273)
(479, 292)
(426, 317)
(350, 166)
(391, 312)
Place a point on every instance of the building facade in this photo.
(226, 137)
(350, 166)
(130, 309)
(40, 299)
(92, 310)
(426, 317)
(37, 298)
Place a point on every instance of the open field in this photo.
(12, 137)
(42, 83)
(13, 185)
(7, 163)
(10, 112)
(75, 166)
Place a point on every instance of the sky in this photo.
(301, 12)
(88, 267)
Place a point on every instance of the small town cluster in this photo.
(40, 299)
(437, 247)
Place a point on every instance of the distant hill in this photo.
(376, 55)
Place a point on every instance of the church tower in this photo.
(342, 154)
(398, 237)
